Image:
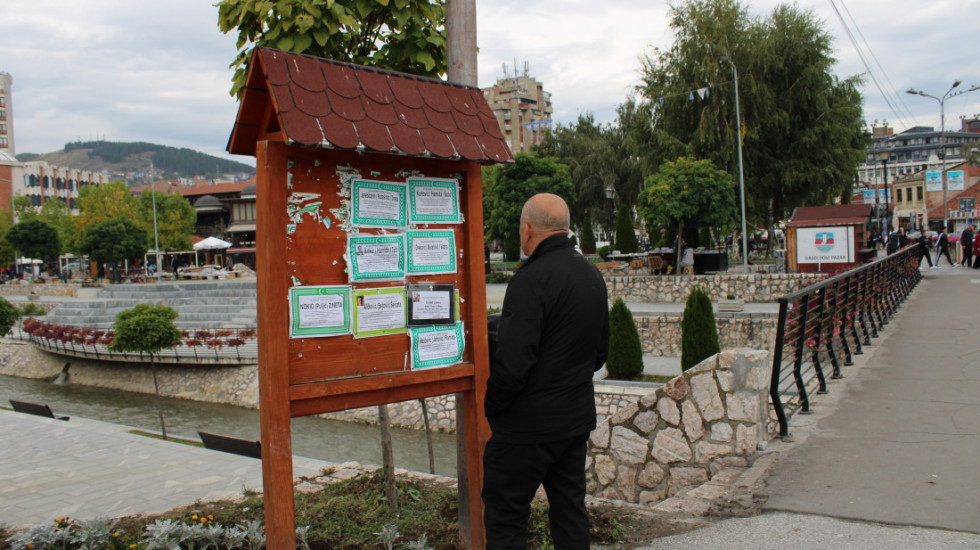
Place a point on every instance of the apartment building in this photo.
(6, 114)
(522, 107)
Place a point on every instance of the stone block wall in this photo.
(44, 289)
(713, 416)
(660, 334)
(752, 287)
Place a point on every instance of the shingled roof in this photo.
(322, 103)
(832, 214)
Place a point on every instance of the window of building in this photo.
(3, 101)
(918, 193)
(908, 194)
(3, 142)
(3, 128)
(3, 115)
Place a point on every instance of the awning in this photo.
(241, 250)
(240, 227)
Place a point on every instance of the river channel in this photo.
(329, 440)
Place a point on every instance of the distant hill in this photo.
(117, 157)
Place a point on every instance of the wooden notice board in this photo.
(326, 137)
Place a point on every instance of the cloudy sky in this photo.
(158, 71)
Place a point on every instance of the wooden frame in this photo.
(305, 376)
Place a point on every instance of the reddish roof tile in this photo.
(215, 189)
(323, 103)
(833, 214)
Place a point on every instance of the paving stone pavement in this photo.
(86, 469)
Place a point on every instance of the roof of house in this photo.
(323, 103)
(832, 214)
(222, 188)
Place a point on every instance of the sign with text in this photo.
(934, 181)
(378, 311)
(433, 200)
(954, 180)
(431, 252)
(826, 245)
(378, 204)
(376, 257)
(319, 311)
(436, 346)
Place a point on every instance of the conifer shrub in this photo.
(625, 237)
(603, 253)
(588, 237)
(8, 316)
(512, 248)
(699, 333)
(625, 360)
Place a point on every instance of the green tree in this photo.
(801, 127)
(34, 239)
(699, 333)
(625, 361)
(114, 240)
(625, 236)
(506, 187)
(175, 219)
(389, 34)
(689, 191)
(56, 213)
(23, 209)
(588, 236)
(100, 203)
(8, 316)
(7, 254)
(146, 329)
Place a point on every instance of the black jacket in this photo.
(553, 335)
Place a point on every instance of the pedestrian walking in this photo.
(966, 239)
(924, 249)
(540, 403)
(942, 248)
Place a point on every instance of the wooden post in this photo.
(273, 323)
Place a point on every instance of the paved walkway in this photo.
(87, 469)
(891, 457)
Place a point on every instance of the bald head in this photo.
(543, 215)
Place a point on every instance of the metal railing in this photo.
(825, 324)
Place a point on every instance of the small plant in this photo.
(8, 316)
(30, 309)
(625, 360)
(604, 252)
(498, 278)
(588, 237)
(388, 535)
(699, 333)
(731, 296)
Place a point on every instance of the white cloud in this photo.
(158, 71)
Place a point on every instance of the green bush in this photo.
(625, 237)
(604, 252)
(498, 278)
(588, 237)
(8, 316)
(30, 309)
(145, 328)
(573, 239)
(705, 237)
(699, 333)
(656, 236)
(512, 248)
(625, 360)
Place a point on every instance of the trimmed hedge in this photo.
(625, 360)
(699, 333)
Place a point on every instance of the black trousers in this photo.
(512, 474)
(967, 256)
(926, 256)
(943, 251)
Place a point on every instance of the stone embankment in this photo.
(660, 333)
(753, 287)
(44, 289)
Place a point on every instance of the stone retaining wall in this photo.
(660, 334)
(753, 287)
(43, 289)
(711, 417)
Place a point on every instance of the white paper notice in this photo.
(378, 203)
(431, 305)
(437, 345)
(378, 258)
(435, 201)
(380, 312)
(321, 311)
(431, 251)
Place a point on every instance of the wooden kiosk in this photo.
(369, 203)
(822, 239)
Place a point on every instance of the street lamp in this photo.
(741, 177)
(942, 129)
(610, 192)
(883, 157)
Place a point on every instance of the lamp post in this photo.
(156, 234)
(610, 192)
(883, 157)
(942, 129)
(741, 177)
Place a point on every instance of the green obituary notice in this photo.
(433, 200)
(376, 257)
(319, 311)
(431, 252)
(437, 345)
(378, 204)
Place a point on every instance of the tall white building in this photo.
(6, 114)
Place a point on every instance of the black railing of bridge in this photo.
(823, 325)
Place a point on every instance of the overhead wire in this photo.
(867, 66)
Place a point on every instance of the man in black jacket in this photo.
(553, 335)
(966, 239)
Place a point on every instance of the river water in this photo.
(330, 440)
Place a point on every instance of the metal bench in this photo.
(225, 444)
(35, 409)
